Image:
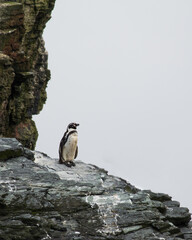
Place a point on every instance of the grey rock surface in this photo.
(9, 148)
(43, 199)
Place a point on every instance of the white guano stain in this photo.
(107, 211)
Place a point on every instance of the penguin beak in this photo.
(77, 124)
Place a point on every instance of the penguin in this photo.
(68, 148)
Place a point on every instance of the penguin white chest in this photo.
(70, 147)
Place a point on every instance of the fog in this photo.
(122, 69)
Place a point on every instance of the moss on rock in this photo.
(26, 132)
(23, 67)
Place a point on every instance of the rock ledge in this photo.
(42, 199)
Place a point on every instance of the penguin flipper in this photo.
(76, 152)
(61, 160)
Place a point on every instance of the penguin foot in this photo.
(73, 164)
(69, 163)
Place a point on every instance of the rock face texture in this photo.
(42, 199)
(23, 67)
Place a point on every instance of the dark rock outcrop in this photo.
(23, 67)
(42, 199)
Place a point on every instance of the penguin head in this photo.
(72, 126)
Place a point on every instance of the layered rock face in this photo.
(23, 67)
(43, 199)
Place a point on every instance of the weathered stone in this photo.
(28, 154)
(6, 79)
(47, 200)
(178, 215)
(10, 148)
(171, 204)
(25, 132)
(23, 67)
(187, 231)
(158, 196)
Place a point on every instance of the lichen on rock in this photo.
(23, 67)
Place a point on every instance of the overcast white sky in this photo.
(123, 69)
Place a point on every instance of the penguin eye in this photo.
(72, 125)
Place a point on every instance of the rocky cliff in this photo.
(42, 199)
(23, 66)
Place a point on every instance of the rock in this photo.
(43, 199)
(178, 215)
(23, 67)
(28, 154)
(11, 148)
(6, 79)
(187, 231)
